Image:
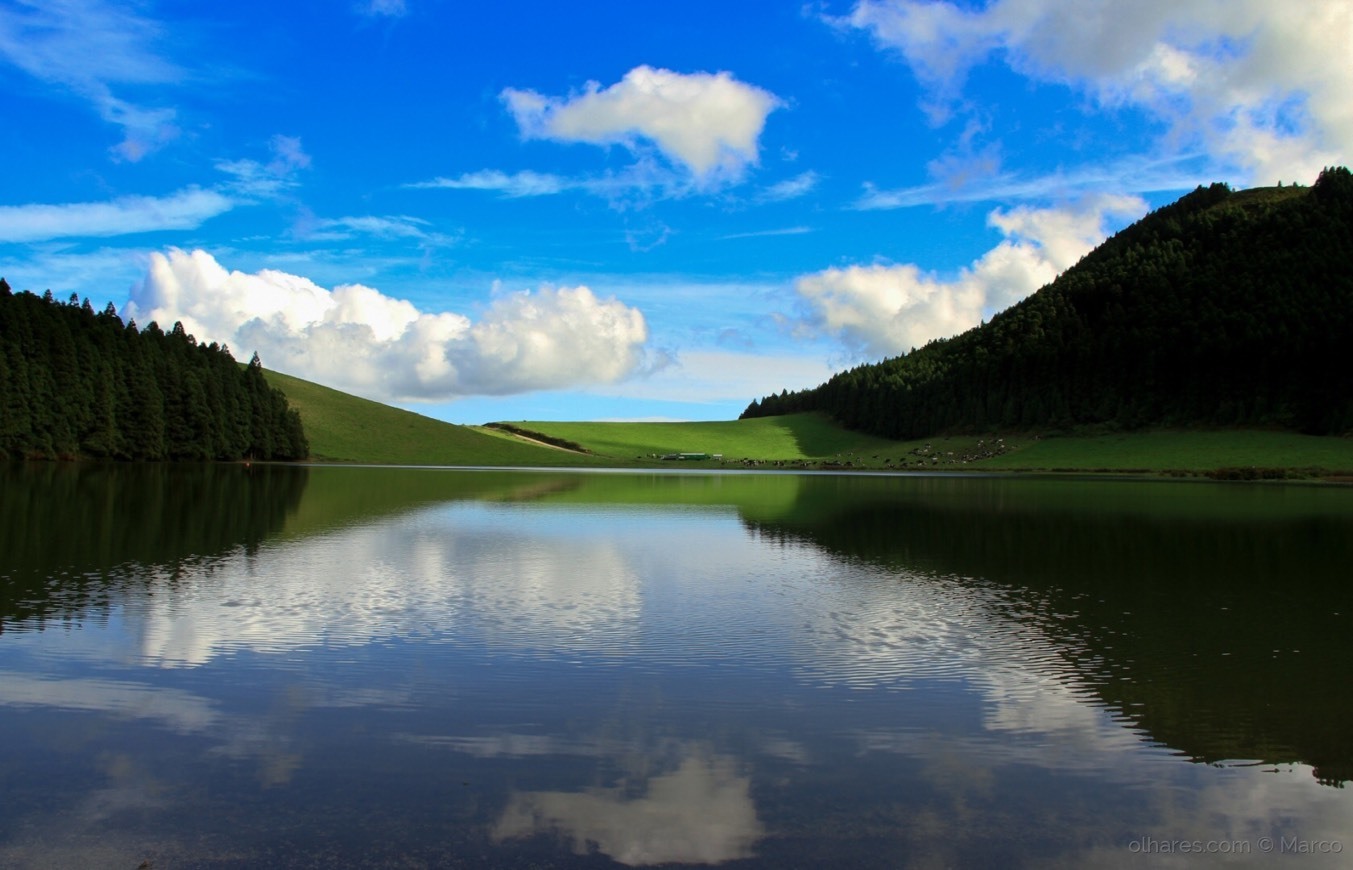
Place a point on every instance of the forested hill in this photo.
(1223, 309)
(74, 383)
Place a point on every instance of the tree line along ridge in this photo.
(1226, 308)
(75, 383)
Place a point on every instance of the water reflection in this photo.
(179, 711)
(67, 524)
(576, 669)
(700, 813)
(467, 567)
(1215, 618)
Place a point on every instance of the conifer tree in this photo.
(73, 382)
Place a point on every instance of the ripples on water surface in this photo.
(367, 667)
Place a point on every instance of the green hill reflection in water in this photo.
(68, 526)
(691, 668)
(1214, 618)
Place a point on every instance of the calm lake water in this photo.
(360, 667)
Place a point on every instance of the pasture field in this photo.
(345, 428)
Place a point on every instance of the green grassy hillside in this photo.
(811, 439)
(793, 437)
(1155, 450)
(345, 428)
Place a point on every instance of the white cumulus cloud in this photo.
(356, 338)
(884, 310)
(708, 122)
(1261, 86)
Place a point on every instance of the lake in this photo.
(278, 666)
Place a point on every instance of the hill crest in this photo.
(1223, 308)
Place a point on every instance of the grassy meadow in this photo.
(1183, 450)
(344, 428)
(799, 438)
(791, 438)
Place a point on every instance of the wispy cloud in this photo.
(645, 180)
(102, 274)
(385, 227)
(639, 184)
(791, 188)
(1180, 172)
(390, 227)
(253, 178)
(512, 185)
(756, 234)
(187, 209)
(384, 8)
(90, 48)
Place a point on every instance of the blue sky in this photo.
(623, 210)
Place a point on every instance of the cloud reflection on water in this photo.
(701, 812)
(1001, 731)
(437, 574)
(560, 581)
(182, 712)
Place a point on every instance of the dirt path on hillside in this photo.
(540, 443)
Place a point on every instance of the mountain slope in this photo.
(344, 428)
(1222, 309)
